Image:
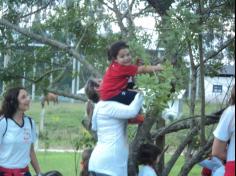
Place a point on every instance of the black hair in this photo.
(10, 102)
(90, 90)
(53, 173)
(115, 48)
(148, 154)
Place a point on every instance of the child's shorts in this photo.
(125, 97)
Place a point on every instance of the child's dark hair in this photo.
(148, 154)
(115, 48)
(85, 160)
(53, 173)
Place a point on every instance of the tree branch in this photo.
(225, 45)
(15, 76)
(178, 152)
(106, 4)
(142, 11)
(186, 124)
(196, 158)
(47, 73)
(53, 43)
(36, 11)
(61, 93)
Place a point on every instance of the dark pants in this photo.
(96, 174)
(26, 174)
(125, 97)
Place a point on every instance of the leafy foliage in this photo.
(157, 87)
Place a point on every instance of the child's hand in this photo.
(139, 62)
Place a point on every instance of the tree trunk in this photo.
(193, 88)
(202, 153)
(178, 152)
(202, 78)
(143, 133)
(160, 141)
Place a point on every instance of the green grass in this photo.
(63, 129)
(62, 123)
(174, 139)
(64, 162)
(196, 171)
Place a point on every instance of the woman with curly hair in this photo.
(17, 135)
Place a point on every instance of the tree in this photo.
(182, 31)
(68, 32)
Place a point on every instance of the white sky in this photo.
(147, 24)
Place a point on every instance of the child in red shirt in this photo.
(114, 86)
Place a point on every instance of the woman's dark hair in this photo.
(232, 98)
(10, 102)
(115, 48)
(85, 160)
(90, 90)
(53, 173)
(148, 154)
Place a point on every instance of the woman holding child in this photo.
(110, 155)
(117, 104)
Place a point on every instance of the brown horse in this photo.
(49, 97)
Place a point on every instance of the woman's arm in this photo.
(149, 69)
(34, 161)
(3, 127)
(219, 149)
(223, 134)
(121, 111)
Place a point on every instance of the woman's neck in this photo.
(18, 117)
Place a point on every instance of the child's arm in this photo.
(149, 68)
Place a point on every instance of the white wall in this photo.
(226, 82)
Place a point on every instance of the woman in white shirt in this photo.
(224, 142)
(110, 155)
(148, 156)
(17, 135)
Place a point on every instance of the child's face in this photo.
(124, 57)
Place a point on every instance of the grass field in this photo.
(63, 130)
(64, 162)
(62, 124)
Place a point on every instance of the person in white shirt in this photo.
(224, 142)
(148, 156)
(109, 120)
(17, 135)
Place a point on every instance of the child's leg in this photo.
(126, 97)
